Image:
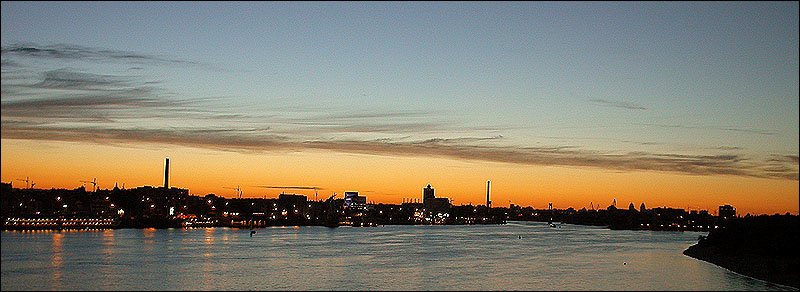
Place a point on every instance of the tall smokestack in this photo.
(166, 174)
(488, 203)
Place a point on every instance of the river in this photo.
(514, 256)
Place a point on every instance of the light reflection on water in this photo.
(56, 258)
(515, 256)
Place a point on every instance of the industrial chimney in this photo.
(488, 203)
(166, 174)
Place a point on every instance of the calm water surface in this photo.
(491, 257)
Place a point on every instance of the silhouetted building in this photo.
(427, 194)
(287, 199)
(431, 203)
(727, 211)
(642, 208)
(352, 199)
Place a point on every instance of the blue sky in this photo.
(697, 87)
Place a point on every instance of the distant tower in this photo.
(488, 202)
(642, 208)
(166, 174)
(427, 195)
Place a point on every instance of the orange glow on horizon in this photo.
(384, 179)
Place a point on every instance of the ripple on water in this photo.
(515, 256)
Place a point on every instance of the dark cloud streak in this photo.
(290, 187)
(66, 95)
(233, 140)
(618, 104)
(67, 79)
(74, 52)
(751, 131)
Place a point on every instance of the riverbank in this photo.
(776, 270)
(762, 247)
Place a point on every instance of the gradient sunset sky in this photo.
(677, 104)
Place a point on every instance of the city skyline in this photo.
(689, 105)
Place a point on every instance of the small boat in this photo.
(550, 222)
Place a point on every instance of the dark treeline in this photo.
(661, 218)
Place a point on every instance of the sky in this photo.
(687, 105)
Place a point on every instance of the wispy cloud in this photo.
(727, 148)
(391, 122)
(221, 139)
(782, 167)
(784, 158)
(618, 104)
(751, 131)
(35, 92)
(76, 105)
(74, 52)
(65, 95)
(689, 164)
(5, 63)
(68, 79)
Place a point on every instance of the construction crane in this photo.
(27, 182)
(332, 197)
(237, 189)
(93, 182)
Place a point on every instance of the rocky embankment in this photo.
(762, 247)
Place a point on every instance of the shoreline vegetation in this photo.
(763, 247)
